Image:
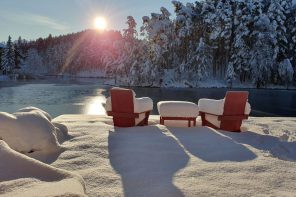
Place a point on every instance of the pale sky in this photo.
(32, 19)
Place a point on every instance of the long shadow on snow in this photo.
(275, 146)
(209, 145)
(147, 160)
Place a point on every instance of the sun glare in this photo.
(100, 23)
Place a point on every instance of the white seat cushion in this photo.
(211, 106)
(177, 109)
(216, 107)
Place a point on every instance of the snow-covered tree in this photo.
(277, 12)
(34, 63)
(230, 75)
(240, 53)
(199, 66)
(8, 59)
(1, 57)
(262, 52)
(159, 34)
(248, 39)
(221, 35)
(130, 33)
(129, 54)
(286, 71)
(291, 32)
(183, 44)
(18, 54)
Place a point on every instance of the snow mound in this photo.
(35, 109)
(30, 130)
(22, 176)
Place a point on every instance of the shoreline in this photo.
(248, 86)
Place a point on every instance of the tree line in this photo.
(246, 41)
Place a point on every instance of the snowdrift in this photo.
(22, 176)
(30, 131)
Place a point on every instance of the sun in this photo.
(100, 23)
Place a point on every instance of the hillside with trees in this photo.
(246, 41)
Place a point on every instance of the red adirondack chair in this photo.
(128, 111)
(226, 114)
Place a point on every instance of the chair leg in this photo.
(194, 122)
(147, 118)
(203, 118)
(189, 123)
(161, 121)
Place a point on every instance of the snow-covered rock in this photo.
(30, 130)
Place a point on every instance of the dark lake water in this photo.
(85, 96)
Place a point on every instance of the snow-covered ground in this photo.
(159, 161)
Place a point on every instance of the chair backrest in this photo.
(235, 102)
(122, 100)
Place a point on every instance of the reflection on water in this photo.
(95, 106)
(86, 96)
(56, 97)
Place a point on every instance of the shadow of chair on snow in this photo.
(209, 145)
(278, 148)
(146, 160)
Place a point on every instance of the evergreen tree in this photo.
(291, 31)
(18, 54)
(202, 60)
(8, 57)
(286, 71)
(240, 50)
(262, 52)
(277, 12)
(230, 75)
(1, 57)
